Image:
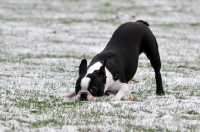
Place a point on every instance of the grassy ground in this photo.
(43, 42)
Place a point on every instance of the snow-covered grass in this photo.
(43, 42)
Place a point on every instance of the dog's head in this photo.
(92, 84)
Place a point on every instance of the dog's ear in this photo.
(83, 67)
(102, 71)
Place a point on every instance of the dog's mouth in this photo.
(84, 96)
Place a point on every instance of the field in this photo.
(43, 42)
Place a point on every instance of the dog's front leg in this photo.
(123, 90)
(67, 95)
(92, 98)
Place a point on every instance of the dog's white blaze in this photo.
(85, 83)
(95, 66)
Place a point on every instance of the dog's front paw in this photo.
(92, 98)
(67, 95)
(61, 97)
(114, 99)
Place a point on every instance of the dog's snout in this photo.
(84, 93)
(83, 96)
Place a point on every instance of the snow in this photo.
(43, 42)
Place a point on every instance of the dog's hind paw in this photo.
(160, 92)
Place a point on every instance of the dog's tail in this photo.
(141, 21)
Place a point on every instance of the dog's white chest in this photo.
(114, 88)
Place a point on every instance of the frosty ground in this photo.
(43, 42)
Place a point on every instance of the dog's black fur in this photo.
(122, 53)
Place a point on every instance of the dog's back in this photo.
(131, 36)
(127, 42)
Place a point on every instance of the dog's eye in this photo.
(93, 90)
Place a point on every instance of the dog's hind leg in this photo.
(153, 54)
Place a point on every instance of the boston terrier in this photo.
(112, 69)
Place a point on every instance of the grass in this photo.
(43, 42)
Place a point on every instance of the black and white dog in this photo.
(111, 69)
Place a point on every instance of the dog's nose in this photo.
(83, 96)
